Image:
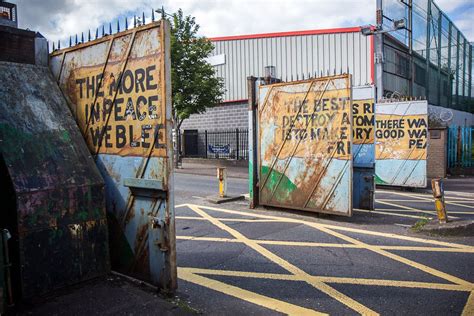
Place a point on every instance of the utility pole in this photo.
(410, 48)
(379, 53)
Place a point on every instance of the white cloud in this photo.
(59, 19)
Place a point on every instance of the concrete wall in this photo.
(222, 117)
(437, 156)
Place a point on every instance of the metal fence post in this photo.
(205, 141)
(237, 142)
(252, 142)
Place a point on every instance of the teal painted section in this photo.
(460, 146)
(396, 172)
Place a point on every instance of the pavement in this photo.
(234, 260)
(113, 295)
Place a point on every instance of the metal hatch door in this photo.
(305, 145)
(401, 135)
(118, 88)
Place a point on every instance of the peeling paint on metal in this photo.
(305, 141)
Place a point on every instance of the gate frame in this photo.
(165, 277)
(257, 183)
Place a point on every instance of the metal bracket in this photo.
(160, 239)
(145, 187)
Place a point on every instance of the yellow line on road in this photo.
(244, 220)
(391, 213)
(344, 299)
(330, 279)
(469, 307)
(343, 228)
(401, 259)
(430, 199)
(408, 208)
(328, 245)
(255, 298)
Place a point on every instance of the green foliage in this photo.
(194, 83)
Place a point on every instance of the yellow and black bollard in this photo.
(438, 194)
(222, 177)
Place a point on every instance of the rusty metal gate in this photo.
(118, 88)
(401, 134)
(305, 145)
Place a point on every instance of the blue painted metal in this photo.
(130, 71)
(460, 146)
(363, 147)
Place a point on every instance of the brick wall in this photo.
(17, 45)
(437, 153)
(222, 117)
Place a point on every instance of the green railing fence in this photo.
(460, 146)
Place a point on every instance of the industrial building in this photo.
(436, 45)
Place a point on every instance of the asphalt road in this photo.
(233, 260)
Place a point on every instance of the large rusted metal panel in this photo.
(119, 88)
(53, 199)
(305, 145)
(401, 131)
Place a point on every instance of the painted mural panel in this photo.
(305, 140)
(401, 138)
(118, 88)
(363, 126)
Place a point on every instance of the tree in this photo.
(194, 83)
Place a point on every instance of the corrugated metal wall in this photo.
(293, 56)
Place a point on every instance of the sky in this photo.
(59, 19)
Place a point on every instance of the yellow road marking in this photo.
(344, 299)
(469, 307)
(422, 201)
(343, 228)
(328, 245)
(463, 196)
(430, 199)
(395, 257)
(330, 279)
(245, 295)
(410, 211)
(245, 220)
(406, 207)
(391, 214)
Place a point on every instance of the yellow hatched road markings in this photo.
(319, 282)
(342, 228)
(329, 279)
(410, 211)
(344, 299)
(327, 245)
(409, 208)
(252, 297)
(423, 201)
(427, 198)
(390, 213)
(469, 307)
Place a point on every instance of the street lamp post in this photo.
(378, 32)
